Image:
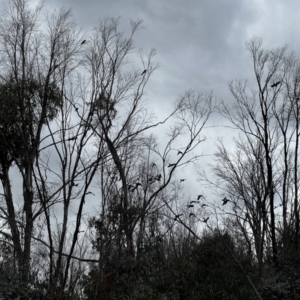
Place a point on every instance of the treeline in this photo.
(91, 203)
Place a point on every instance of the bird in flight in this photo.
(275, 84)
(225, 201)
(83, 42)
(181, 180)
(144, 72)
(190, 205)
(205, 220)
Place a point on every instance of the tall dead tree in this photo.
(262, 173)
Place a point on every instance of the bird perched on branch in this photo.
(136, 186)
(181, 180)
(158, 177)
(275, 84)
(225, 201)
(129, 187)
(144, 72)
(171, 165)
(83, 42)
(177, 216)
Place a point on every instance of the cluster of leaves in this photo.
(21, 109)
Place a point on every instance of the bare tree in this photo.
(71, 108)
(261, 176)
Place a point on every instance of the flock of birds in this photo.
(191, 205)
(153, 178)
(132, 188)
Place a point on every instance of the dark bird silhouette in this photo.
(199, 197)
(177, 216)
(225, 201)
(181, 180)
(190, 205)
(73, 184)
(179, 152)
(158, 177)
(136, 186)
(129, 186)
(192, 214)
(205, 220)
(72, 138)
(171, 165)
(83, 42)
(203, 205)
(144, 72)
(90, 193)
(275, 84)
(76, 108)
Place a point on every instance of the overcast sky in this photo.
(200, 43)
